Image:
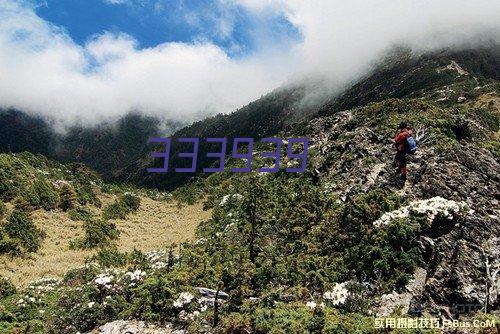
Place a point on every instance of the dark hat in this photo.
(403, 125)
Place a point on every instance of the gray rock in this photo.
(132, 327)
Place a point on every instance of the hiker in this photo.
(405, 144)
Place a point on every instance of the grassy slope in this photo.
(157, 224)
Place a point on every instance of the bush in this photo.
(6, 288)
(98, 233)
(21, 228)
(67, 198)
(80, 214)
(110, 257)
(20, 203)
(124, 205)
(81, 275)
(131, 202)
(86, 195)
(3, 209)
(8, 245)
(114, 211)
(7, 186)
(44, 195)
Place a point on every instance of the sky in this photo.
(90, 60)
(233, 28)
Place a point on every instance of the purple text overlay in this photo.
(238, 144)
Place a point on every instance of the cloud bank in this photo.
(43, 71)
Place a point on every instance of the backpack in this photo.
(411, 145)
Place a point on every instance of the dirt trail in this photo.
(155, 225)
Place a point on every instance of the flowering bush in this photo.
(431, 208)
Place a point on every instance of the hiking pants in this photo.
(401, 162)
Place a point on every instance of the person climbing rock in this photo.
(404, 145)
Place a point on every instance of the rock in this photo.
(392, 301)
(460, 254)
(461, 99)
(210, 293)
(133, 327)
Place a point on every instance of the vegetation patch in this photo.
(98, 233)
(80, 214)
(19, 234)
(125, 204)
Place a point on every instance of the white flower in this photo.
(90, 304)
(103, 279)
(158, 265)
(430, 207)
(311, 304)
(155, 256)
(135, 275)
(226, 198)
(338, 295)
(184, 298)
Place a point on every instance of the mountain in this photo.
(23, 132)
(441, 77)
(107, 147)
(403, 74)
(120, 151)
(329, 250)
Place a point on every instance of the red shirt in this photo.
(400, 139)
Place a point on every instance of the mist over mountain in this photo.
(43, 71)
(119, 149)
(107, 147)
(403, 75)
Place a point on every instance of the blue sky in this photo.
(151, 22)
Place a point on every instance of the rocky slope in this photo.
(461, 256)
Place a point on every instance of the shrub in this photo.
(81, 275)
(86, 195)
(131, 202)
(21, 228)
(114, 211)
(8, 245)
(283, 319)
(6, 288)
(21, 204)
(3, 209)
(98, 233)
(44, 195)
(67, 198)
(7, 185)
(80, 214)
(124, 205)
(236, 323)
(110, 257)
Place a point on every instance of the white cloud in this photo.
(42, 70)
